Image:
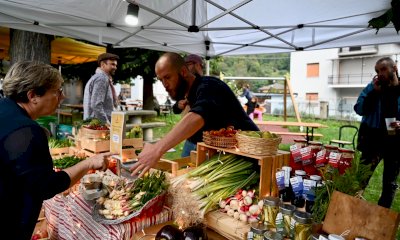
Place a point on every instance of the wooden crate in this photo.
(227, 226)
(90, 133)
(135, 142)
(95, 145)
(362, 218)
(268, 165)
(59, 151)
(175, 167)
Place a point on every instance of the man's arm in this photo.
(151, 154)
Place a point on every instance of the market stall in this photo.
(238, 186)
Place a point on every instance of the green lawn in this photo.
(372, 192)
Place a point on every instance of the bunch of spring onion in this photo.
(128, 197)
(217, 178)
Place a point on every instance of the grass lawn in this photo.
(372, 192)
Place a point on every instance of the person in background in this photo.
(378, 101)
(212, 103)
(246, 92)
(195, 65)
(27, 176)
(100, 97)
(252, 106)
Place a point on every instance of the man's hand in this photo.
(182, 104)
(147, 159)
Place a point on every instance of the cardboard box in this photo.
(362, 218)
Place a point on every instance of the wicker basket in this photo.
(151, 208)
(258, 146)
(222, 142)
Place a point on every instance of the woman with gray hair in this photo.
(27, 177)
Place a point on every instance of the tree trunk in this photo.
(32, 46)
(148, 102)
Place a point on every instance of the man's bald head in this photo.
(173, 60)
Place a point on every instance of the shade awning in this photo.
(63, 50)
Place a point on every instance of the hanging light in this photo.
(132, 14)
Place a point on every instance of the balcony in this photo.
(355, 51)
(354, 80)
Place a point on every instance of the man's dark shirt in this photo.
(212, 99)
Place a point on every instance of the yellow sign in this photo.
(117, 132)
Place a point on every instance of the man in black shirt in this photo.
(212, 103)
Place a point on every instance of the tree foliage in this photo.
(263, 65)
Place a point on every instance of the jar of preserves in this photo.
(284, 218)
(271, 209)
(346, 157)
(257, 231)
(298, 199)
(300, 142)
(286, 194)
(302, 225)
(317, 236)
(271, 235)
(315, 148)
(295, 154)
(310, 195)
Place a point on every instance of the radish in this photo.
(247, 200)
(253, 209)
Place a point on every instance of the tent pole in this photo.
(207, 67)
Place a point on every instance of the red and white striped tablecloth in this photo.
(70, 217)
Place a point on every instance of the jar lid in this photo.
(287, 209)
(271, 235)
(346, 150)
(287, 167)
(317, 236)
(315, 177)
(300, 173)
(259, 228)
(335, 237)
(315, 143)
(331, 147)
(302, 217)
(271, 201)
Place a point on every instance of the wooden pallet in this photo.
(268, 165)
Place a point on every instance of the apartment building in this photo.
(327, 82)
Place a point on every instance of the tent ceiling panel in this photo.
(231, 27)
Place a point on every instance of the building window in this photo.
(311, 96)
(357, 48)
(313, 70)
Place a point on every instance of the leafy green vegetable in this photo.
(350, 182)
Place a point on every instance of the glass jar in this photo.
(271, 235)
(271, 209)
(315, 148)
(300, 142)
(346, 157)
(302, 225)
(284, 218)
(298, 199)
(257, 231)
(310, 197)
(286, 194)
(317, 236)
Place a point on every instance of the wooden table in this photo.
(74, 106)
(309, 126)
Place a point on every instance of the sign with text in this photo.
(117, 132)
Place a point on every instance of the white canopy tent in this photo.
(205, 27)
